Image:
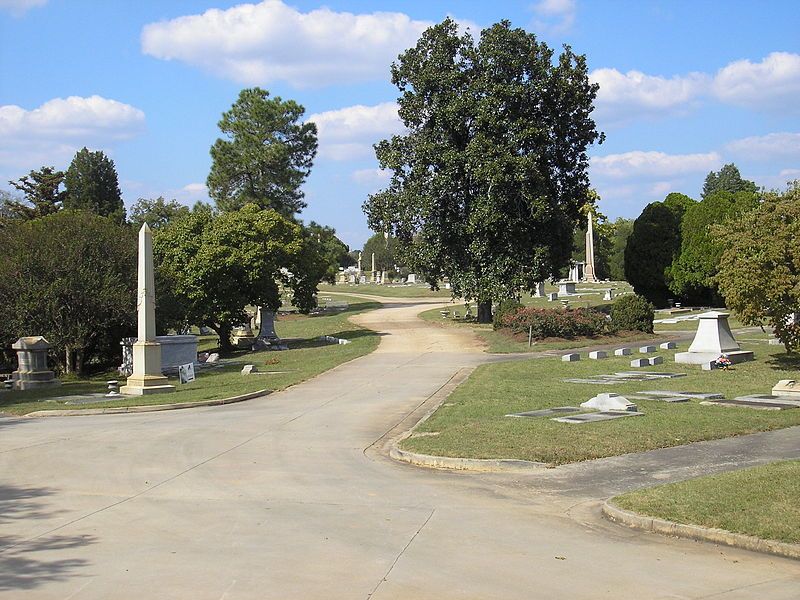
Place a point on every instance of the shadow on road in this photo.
(24, 564)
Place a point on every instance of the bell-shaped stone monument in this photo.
(146, 377)
(712, 340)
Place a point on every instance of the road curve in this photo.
(277, 498)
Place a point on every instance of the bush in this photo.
(632, 313)
(504, 308)
(556, 322)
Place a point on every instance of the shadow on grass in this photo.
(351, 334)
(22, 566)
(785, 362)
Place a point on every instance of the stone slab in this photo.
(653, 374)
(598, 354)
(598, 381)
(622, 352)
(698, 395)
(547, 412)
(668, 346)
(596, 417)
(757, 404)
(787, 387)
(640, 362)
(660, 398)
(771, 398)
(571, 357)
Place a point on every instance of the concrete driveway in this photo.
(289, 497)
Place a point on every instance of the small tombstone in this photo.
(622, 352)
(248, 369)
(608, 295)
(571, 357)
(186, 372)
(412, 278)
(566, 288)
(647, 349)
(32, 372)
(538, 289)
(655, 360)
(552, 297)
(362, 279)
(668, 346)
(213, 358)
(640, 362)
(598, 354)
(775, 342)
(610, 401)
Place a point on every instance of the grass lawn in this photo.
(306, 358)
(760, 501)
(389, 291)
(471, 423)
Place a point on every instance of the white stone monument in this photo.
(32, 372)
(538, 290)
(566, 288)
(146, 378)
(588, 267)
(610, 401)
(712, 340)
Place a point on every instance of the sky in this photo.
(685, 87)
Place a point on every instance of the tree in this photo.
(759, 270)
(266, 156)
(488, 181)
(156, 213)
(220, 263)
(334, 251)
(727, 179)
(622, 230)
(71, 277)
(42, 194)
(385, 249)
(91, 182)
(692, 271)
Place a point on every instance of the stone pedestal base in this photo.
(147, 377)
(35, 381)
(705, 358)
(143, 385)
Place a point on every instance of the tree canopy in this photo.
(727, 179)
(488, 181)
(217, 264)
(266, 154)
(334, 252)
(759, 268)
(385, 249)
(71, 277)
(155, 212)
(91, 184)
(43, 195)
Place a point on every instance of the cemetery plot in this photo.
(624, 377)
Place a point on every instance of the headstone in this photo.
(640, 362)
(622, 352)
(213, 358)
(647, 349)
(775, 342)
(610, 401)
(712, 340)
(655, 360)
(247, 369)
(566, 288)
(146, 377)
(243, 337)
(608, 295)
(552, 297)
(538, 289)
(668, 346)
(574, 273)
(412, 278)
(362, 280)
(447, 285)
(588, 269)
(787, 387)
(598, 354)
(571, 357)
(32, 372)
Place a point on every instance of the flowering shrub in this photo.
(547, 322)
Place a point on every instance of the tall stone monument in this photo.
(588, 268)
(713, 339)
(146, 377)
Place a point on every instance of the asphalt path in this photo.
(293, 496)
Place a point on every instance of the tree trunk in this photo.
(68, 365)
(223, 331)
(485, 311)
(79, 361)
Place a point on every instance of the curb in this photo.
(505, 465)
(698, 533)
(146, 408)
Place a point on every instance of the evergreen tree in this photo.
(92, 185)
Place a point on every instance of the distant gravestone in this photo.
(571, 357)
(566, 288)
(598, 354)
(655, 360)
(412, 278)
(647, 349)
(640, 362)
(32, 372)
(213, 358)
(608, 295)
(538, 289)
(668, 346)
(552, 297)
(248, 369)
(622, 352)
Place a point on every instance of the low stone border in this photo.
(465, 464)
(146, 408)
(699, 533)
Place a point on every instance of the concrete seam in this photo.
(699, 533)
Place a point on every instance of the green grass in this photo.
(388, 291)
(760, 501)
(306, 358)
(471, 423)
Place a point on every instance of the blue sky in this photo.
(685, 87)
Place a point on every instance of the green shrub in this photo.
(548, 322)
(632, 313)
(504, 308)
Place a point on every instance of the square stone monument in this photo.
(32, 372)
(713, 339)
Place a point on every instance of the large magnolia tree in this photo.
(489, 178)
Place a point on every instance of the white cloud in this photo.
(270, 41)
(766, 147)
(623, 96)
(639, 164)
(372, 178)
(350, 132)
(20, 7)
(51, 133)
(555, 16)
(773, 83)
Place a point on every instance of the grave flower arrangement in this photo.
(723, 362)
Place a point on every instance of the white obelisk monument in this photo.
(588, 267)
(146, 377)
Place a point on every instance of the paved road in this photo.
(278, 498)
